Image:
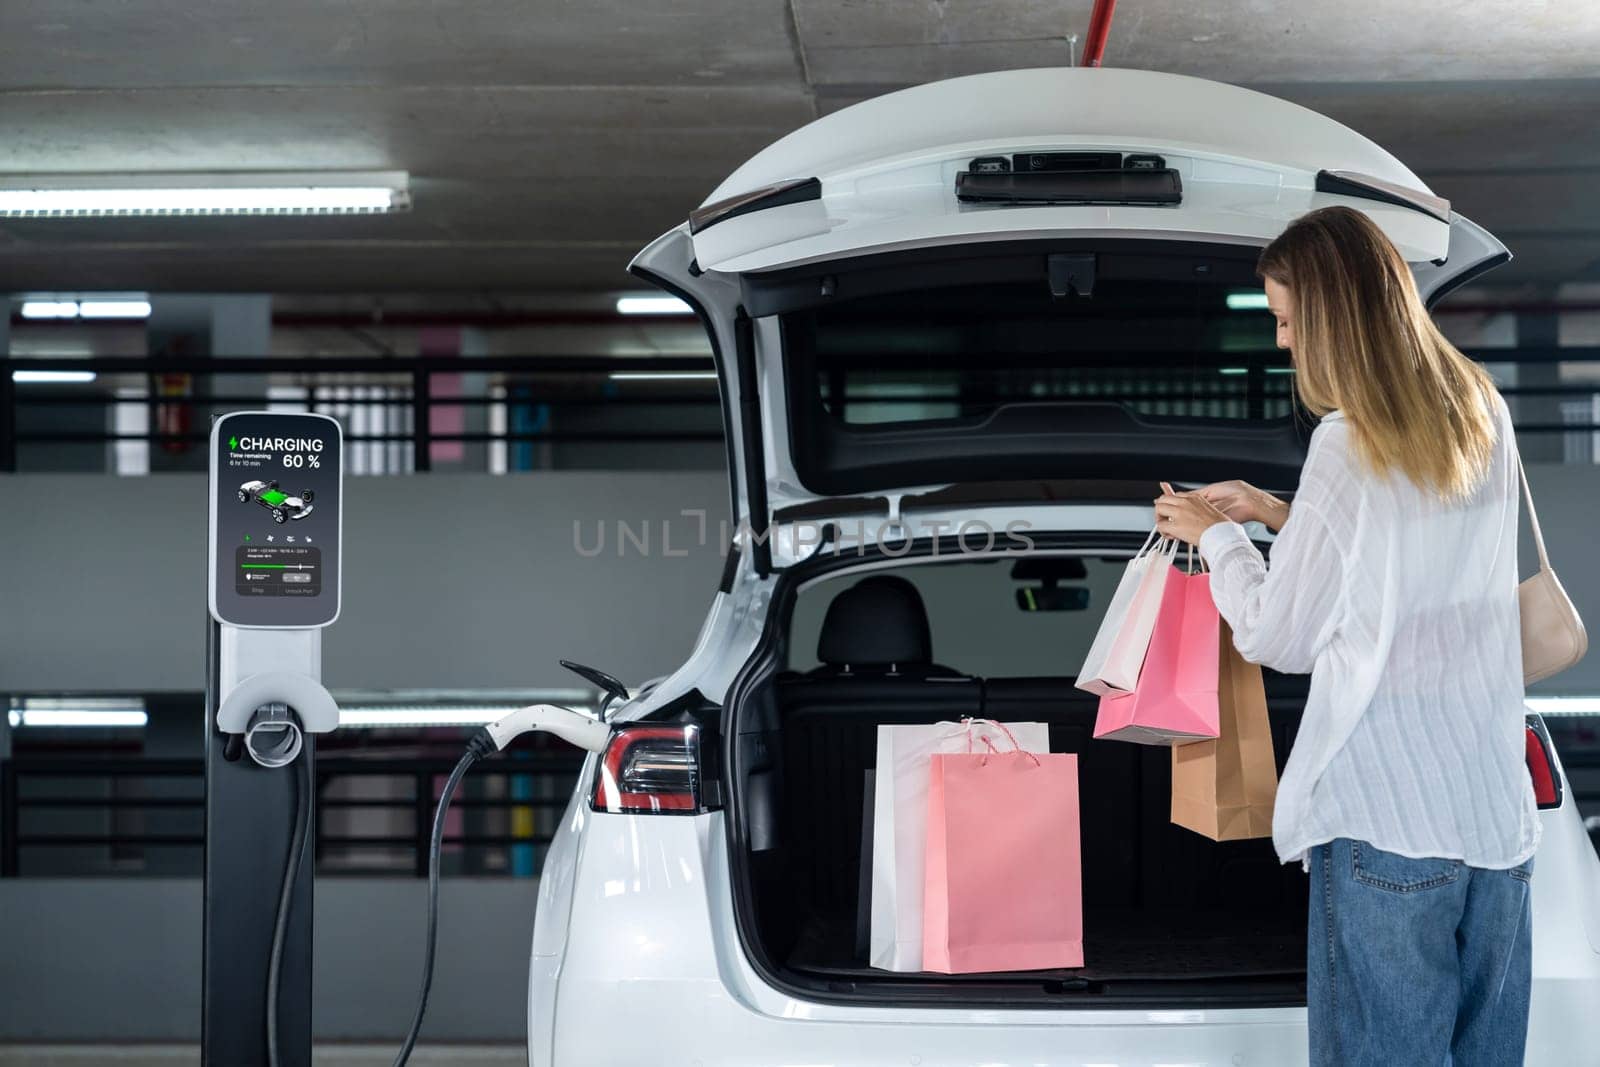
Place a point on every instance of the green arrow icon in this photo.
(233, 442)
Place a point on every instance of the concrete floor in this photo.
(154, 1055)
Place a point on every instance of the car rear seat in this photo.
(877, 668)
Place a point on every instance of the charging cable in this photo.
(572, 726)
(273, 739)
(280, 928)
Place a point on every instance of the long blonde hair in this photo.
(1365, 345)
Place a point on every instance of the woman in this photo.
(1393, 582)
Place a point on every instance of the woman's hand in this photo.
(1243, 502)
(1185, 516)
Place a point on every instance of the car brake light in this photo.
(1542, 765)
(650, 770)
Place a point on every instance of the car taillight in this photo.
(1542, 765)
(650, 770)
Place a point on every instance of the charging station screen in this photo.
(275, 487)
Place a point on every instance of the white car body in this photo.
(637, 957)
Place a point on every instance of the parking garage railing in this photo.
(405, 415)
(420, 404)
(64, 816)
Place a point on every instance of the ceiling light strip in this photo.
(78, 717)
(52, 377)
(200, 200)
(652, 305)
(663, 376)
(423, 716)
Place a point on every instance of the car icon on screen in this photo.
(283, 506)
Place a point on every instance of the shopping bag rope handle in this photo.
(984, 760)
(1166, 546)
(1015, 745)
(966, 728)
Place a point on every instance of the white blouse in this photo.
(1403, 608)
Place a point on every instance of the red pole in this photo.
(1099, 29)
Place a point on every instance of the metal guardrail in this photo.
(557, 770)
(413, 379)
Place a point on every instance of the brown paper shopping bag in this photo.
(1225, 788)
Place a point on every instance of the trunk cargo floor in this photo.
(1185, 945)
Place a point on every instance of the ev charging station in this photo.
(274, 582)
(276, 499)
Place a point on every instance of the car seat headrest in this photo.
(877, 622)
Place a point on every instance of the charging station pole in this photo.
(276, 493)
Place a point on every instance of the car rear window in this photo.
(1156, 347)
(977, 624)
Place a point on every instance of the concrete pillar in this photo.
(1538, 330)
(241, 325)
(184, 325)
(174, 731)
(8, 459)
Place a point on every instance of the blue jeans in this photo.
(1416, 962)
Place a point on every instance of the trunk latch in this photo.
(1071, 273)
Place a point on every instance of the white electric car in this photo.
(958, 327)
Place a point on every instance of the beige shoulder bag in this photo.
(1553, 637)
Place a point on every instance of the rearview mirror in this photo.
(1049, 594)
(1052, 598)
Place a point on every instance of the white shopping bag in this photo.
(900, 823)
(1117, 654)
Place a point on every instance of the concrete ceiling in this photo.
(548, 140)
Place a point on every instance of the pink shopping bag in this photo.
(1004, 889)
(1175, 700)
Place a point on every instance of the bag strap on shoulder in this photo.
(1533, 515)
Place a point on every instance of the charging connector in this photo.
(574, 727)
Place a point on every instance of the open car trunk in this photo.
(892, 335)
(1170, 917)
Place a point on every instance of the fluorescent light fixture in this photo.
(1563, 705)
(652, 305)
(1247, 301)
(114, 309)
(51, 377)
(82, 717)
(61, 196)
(105, 307)
(49, 309)
(443, 715)
(378, 715)
(79, 711)
(663, 376)
(1246, 370)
